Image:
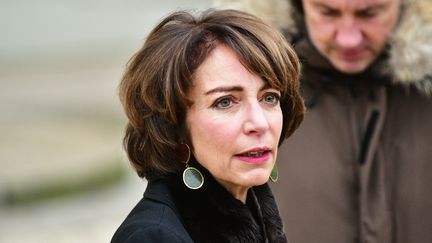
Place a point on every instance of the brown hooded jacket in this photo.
(359, 168)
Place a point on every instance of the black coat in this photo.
(170, 212)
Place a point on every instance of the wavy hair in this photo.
(154, 87)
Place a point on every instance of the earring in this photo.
(192, 177)
(274, 175)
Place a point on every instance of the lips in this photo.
(254, 153)
(351, 55)
(255, 156)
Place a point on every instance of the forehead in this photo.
(221, 71)
(222, 65)
(352, 4)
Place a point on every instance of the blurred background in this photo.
(63, 174)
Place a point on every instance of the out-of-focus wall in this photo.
(64, 176)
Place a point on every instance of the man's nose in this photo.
(348, 34)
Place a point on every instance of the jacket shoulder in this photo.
(153, 219)
(149, 233)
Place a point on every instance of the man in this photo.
(359, 169)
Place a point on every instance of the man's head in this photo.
(351, 34)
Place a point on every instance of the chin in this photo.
(258, 180)
(351, 68)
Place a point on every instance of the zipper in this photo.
(364, 148)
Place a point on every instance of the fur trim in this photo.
(274, 12)
(410, 45)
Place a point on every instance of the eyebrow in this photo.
(365, 8)
(377, 6)
(322, 5)
(225, 89)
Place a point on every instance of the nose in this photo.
(255, 119)
(348, 34)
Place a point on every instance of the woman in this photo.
(209, 100)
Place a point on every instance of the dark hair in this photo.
(298, 5)
(155, 85)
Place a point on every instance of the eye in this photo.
(271, 98)
(224, 102)
(368, 13)
(329, 12)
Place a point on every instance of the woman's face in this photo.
(235, 122)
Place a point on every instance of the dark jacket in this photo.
(359, 168)
(170, 212)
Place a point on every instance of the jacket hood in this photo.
(410, 48)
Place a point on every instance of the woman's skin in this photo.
(235, 122)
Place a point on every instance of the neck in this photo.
(238, 192)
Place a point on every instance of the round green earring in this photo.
(192, 177)
(274, 175)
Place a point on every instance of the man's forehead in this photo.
(353, 4)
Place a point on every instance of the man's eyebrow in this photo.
(365, 8)
(322, 5)
(373, 7)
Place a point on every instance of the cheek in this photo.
(320, 32)
(378, 34)
(211, 134)
(277, 123)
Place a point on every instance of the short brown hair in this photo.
(155, 85)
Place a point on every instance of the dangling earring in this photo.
(192, 177)
(274, 175)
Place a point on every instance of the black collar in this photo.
(212, 214)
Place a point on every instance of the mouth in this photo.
(352, 55)
(255, 156)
